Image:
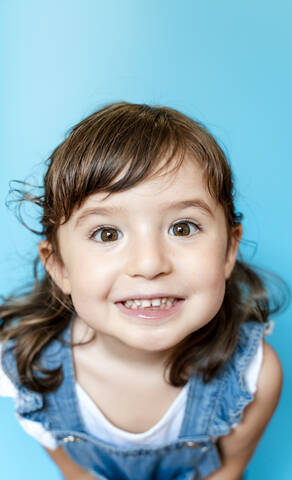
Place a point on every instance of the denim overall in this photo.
(211, 410)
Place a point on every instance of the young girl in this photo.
(140, 354)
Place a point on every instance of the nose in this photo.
(149, 258)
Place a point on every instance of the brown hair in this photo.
(112, 150)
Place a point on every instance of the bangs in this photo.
(112, 153)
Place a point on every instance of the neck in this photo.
(116, 354)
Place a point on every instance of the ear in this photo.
(236, 234)
(54, 266)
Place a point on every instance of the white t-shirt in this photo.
(166, 430)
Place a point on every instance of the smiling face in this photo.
(163, 238)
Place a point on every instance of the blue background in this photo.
(226, 63)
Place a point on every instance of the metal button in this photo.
(71, 439)
(192, 445)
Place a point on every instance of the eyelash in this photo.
(197, 226)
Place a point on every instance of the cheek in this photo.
(209, 292)
(206, 267)
(205, 281)
(91, 280)
(211, 284)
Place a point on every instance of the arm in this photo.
(237, 448)
(69, 469)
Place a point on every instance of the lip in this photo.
(150, 316)
(150, 295)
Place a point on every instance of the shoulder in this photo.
(260, 410)
(256, 359)
(241, 442)
(270, 379)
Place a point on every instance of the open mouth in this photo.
(151, 303)
(151, 308)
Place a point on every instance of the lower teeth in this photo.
(163, 306)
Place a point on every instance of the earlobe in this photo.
(54, 266)
(230, 261)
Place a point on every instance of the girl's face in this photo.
(165, 238)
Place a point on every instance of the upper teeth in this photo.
(154, 302)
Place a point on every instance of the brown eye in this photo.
(109, 235)
(184, 229)
(106, 235)
(181, 229)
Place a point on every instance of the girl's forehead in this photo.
(170, 181)
(171, 186)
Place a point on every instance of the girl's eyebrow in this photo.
(196, 203)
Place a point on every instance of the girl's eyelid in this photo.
(188, 220)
